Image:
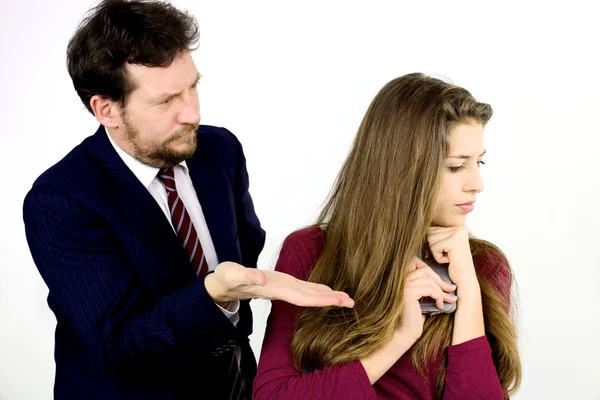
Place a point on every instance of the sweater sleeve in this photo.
(277, 377)
(471, 373)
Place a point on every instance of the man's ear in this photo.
(106, 111)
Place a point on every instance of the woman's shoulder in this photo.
(300, 251)
(492, 265)
(488, 256)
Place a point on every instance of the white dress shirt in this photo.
(148, 176)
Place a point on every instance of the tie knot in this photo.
(167, 177)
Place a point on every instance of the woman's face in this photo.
(462, 179)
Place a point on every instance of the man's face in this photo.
(159, 121)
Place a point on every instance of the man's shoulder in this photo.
(69, 166)
(216, 136)
(217, 146)
(74, 171)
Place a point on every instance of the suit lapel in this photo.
(138, 210)
(214, 192)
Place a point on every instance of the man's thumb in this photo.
(257, 277)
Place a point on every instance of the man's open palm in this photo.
(231, 281)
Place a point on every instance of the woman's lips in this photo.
(467, 207)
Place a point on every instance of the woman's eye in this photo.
(456, 169)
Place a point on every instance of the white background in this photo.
(292, 80)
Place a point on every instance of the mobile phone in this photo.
(428, 305)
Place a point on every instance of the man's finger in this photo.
(256, 277)
(317, 287)
(318, 291)
(335, 299)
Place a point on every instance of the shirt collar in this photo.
(145, 173)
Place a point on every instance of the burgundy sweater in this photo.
(470, 374)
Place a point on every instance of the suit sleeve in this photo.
(277, 378)
(251, 234)
(99, 297)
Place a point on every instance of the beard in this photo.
(161, 154)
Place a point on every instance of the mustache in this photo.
(181, 133)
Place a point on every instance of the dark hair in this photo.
(115, 32)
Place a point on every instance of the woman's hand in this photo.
(421, 282)
(451, 245)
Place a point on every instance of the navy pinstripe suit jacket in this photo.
(133, 322)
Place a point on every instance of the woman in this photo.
(408, 184)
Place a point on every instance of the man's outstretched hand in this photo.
(231, 281)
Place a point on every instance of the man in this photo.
(145, 233)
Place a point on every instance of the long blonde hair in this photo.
(376, 220)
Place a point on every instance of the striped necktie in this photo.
(183, 223)
(187, 233)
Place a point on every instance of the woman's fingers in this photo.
(427, 287)
(426, 271)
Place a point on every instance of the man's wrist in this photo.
(214, 290)
(224, 305)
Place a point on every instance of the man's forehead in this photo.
(152, 80)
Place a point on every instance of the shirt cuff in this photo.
(231, 311)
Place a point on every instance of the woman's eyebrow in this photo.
(467, 157)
